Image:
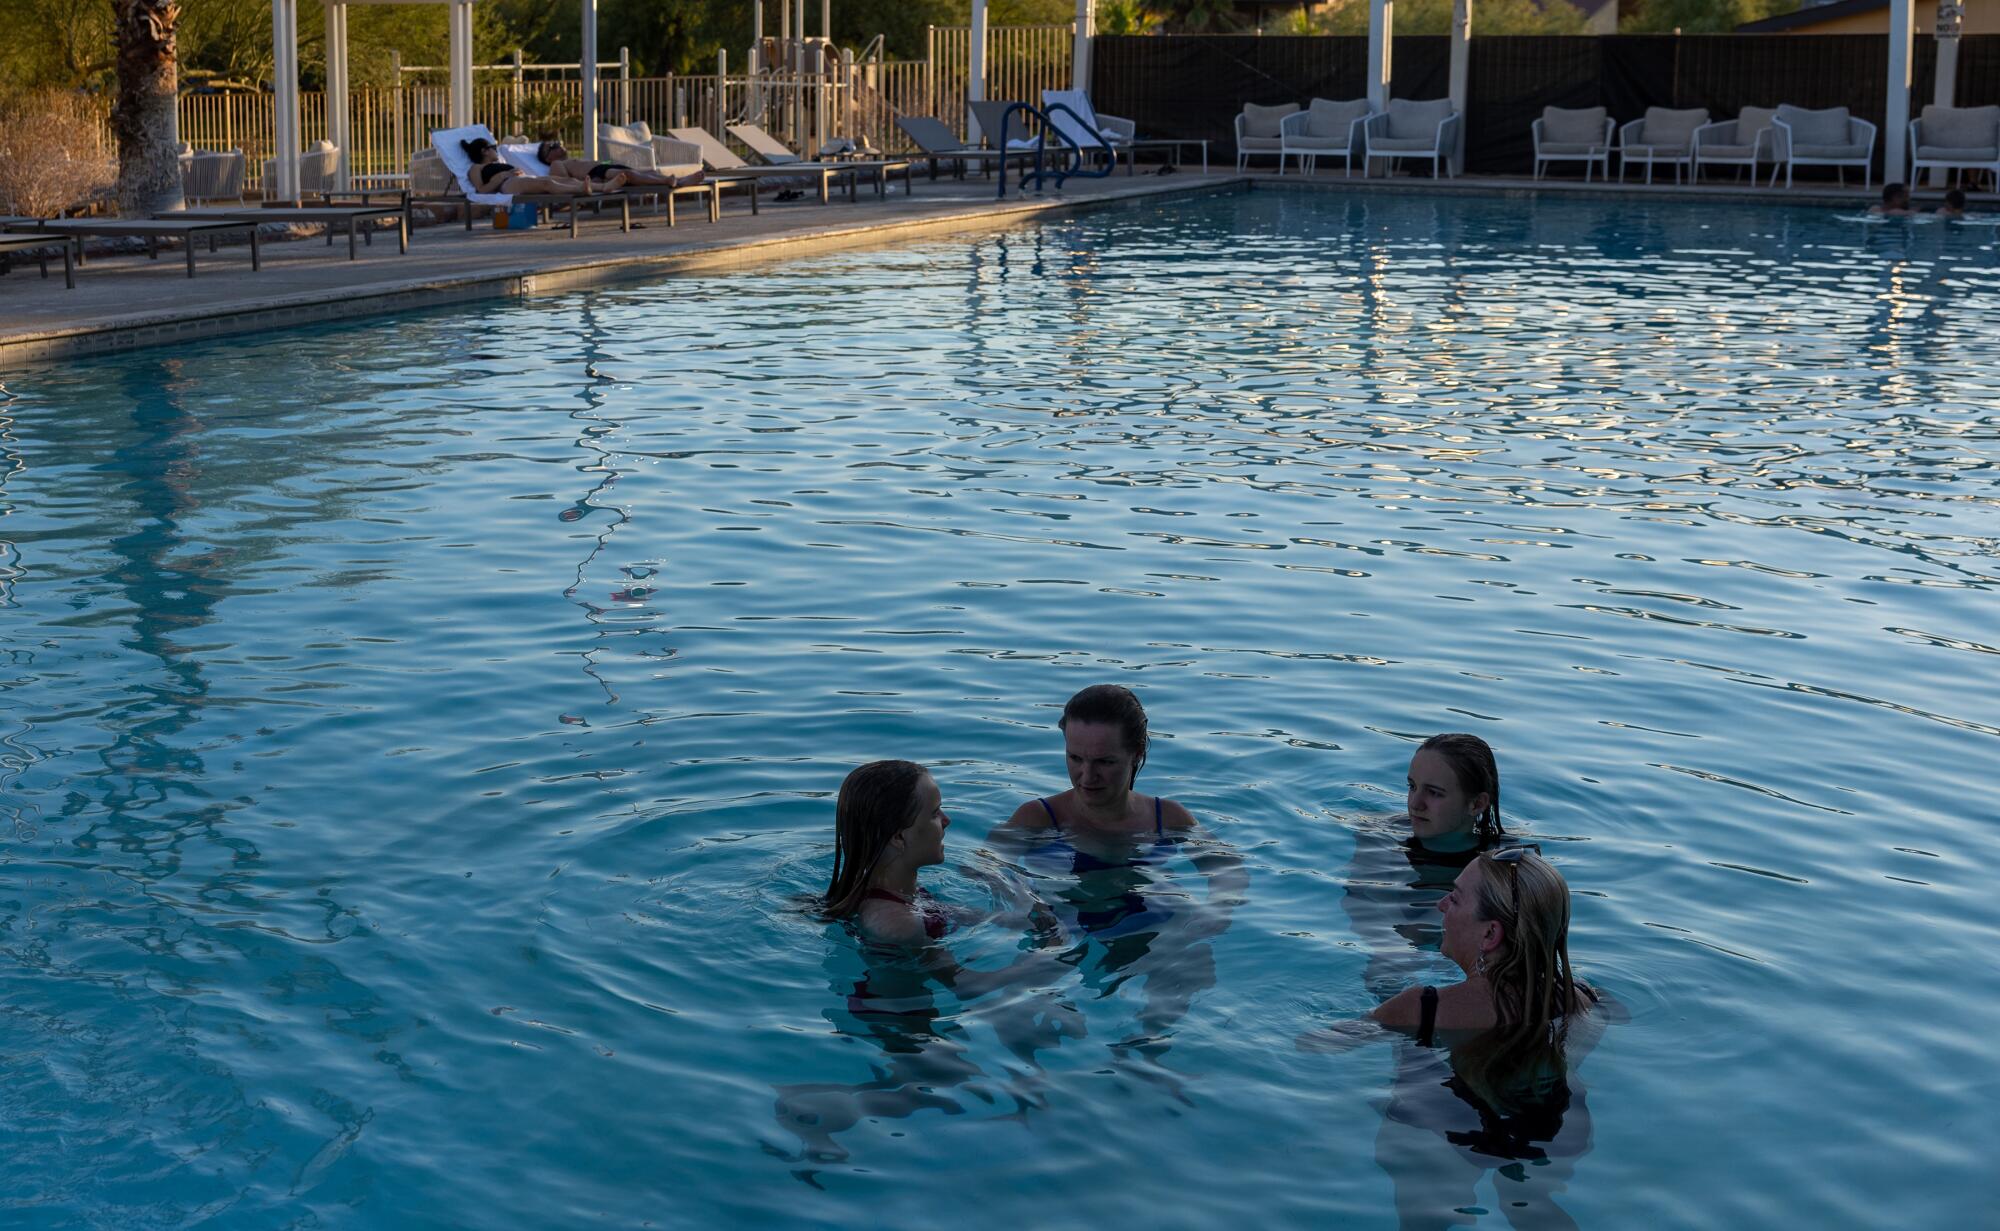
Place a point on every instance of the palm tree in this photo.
(142, 117)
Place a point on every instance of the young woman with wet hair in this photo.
(889, 823)
(1453, 800)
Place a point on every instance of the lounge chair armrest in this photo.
(630, 153)
(1610, 131)
(1721, 132)
(1376, 125)
(1781, 140)
(1239, 128)
(668, 152)
(1535, 134)
(1115, 127)
(1447, 132)
(1632, 133)
(1293, 125)
(1856, 127)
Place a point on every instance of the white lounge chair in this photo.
(1746, 141)
(1825, 138)
(1107, 134)
(1663, 135)
(447, 142)
(635, 145)
(1567, 134)
(1426, 129)
(1325, 128)
(1260, 130)
(1955, 138)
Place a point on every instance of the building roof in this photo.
(1811, 15)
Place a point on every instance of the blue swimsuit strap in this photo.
(1159, 824)
(1053, 822)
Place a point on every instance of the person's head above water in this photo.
(1104, 741)
(1954, 201)
(1895, 196)
(477, 149)
(888, 822)
(1454, 792)
(1506, 920)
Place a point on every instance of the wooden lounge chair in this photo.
(778, 154)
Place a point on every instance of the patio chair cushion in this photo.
(1672, 131)
(1959, 154)
(1261, 121)
(1961, 128)
(1272, 144)
(1856, 152)
(1572, 126)
(1549, 148)
(1752, 120)
(1319, 144)
(1825, 127)
(1414, 145)
(629, 134)
(1328, 120)
(1410, 119)
(1719, 152)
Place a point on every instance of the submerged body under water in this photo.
(417, 738)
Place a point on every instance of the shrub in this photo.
(52, 152)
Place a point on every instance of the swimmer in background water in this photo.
(1895, 202)
(889, 823)
(1954, 204)
(1453, 800)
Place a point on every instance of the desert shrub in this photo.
(53, 152)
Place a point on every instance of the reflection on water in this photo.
(416, 727)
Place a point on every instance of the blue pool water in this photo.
(415, 737)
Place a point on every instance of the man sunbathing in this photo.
(489, 174)
(613, 175)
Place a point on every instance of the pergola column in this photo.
(1896, 116)
(458, 112)
(975, 67)
(1381, 27)
(589, 81)
(336, 91)
(1079, 58)
(285, 102)
(1950, 25)
(1461, 76)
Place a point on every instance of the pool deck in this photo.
(127, 301)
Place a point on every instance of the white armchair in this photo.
(1260, 130)
(1825, 138)
(1323, 128)
(1746, 141)
(1412, 129)
(212, 175)
(1569, 134)
(319, 171)
(1663, 135)
(636, 146)
(1955, 138)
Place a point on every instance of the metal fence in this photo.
(850, 99)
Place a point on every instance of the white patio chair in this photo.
(1746, 141)
(1323, 128)
(319, 171)
(1567, 134)
(1260, 130)
(1411, 129)
(1106, 133)
(1664, 135)
(212, 175)
(1825, 138)
(635, 145)
(1955, 138)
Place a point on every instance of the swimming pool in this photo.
(416, 736)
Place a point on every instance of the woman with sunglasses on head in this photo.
(614, 176)
(490, 174)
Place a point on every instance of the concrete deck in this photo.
(128, 301)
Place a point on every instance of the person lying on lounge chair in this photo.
(613, 175)
(489, 174)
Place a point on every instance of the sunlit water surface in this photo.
(416, 737)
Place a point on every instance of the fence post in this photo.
(520, 88)
(625, 86)
(396, 100)
(930, 71)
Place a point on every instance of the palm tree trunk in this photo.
(142, 118)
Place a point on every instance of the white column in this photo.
(1461, 75)
(1896, 116)
(458, 113)
(285, 103)
(1381, 27)
(826, 21)
(1079, 56)
(1950, 25)
(590, 79)
(975, 68)
(756, 31)
(336, 90)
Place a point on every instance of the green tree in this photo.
(1699, 16)
(1488, 17)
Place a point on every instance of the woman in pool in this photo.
(1112, 839)
(489, 174)
(613, 175)
(1453, 801)
(889, 823)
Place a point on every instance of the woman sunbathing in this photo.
(613, 175)
(489, 174)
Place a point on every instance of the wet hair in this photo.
(877, 801)
(1116, 705)
(1472, 763)
(1529, 974)
(1955, 199)
(542, 150)
(1892, 193)
(475, 147)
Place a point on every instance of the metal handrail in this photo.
(1041, 173)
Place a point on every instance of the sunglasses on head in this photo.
(1514, 854)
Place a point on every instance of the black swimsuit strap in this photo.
(1053, 822)
(1159, 826)
(1427, 1025)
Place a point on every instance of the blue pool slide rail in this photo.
(1071, 152)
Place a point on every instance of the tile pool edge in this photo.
(557, 276)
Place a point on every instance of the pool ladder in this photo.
(1072, 152)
